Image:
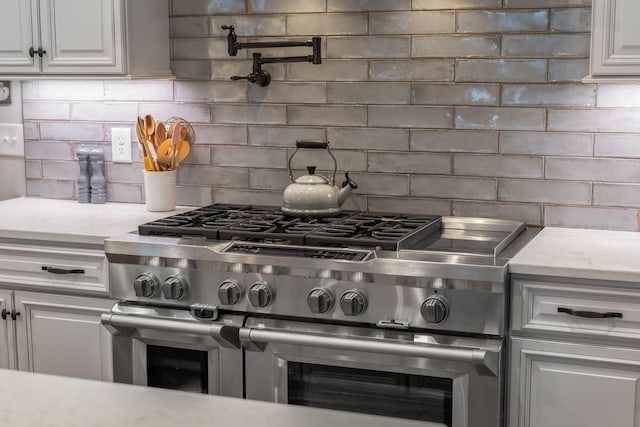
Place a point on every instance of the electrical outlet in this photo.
(11, 140)
(121, 145)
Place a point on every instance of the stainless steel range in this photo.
(392, 314)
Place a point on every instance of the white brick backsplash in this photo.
(202, 48)
(571, 20)
(207, 7)
(111, 111)
(381, 184)
(72, 131)
(502, 21)
(549, 94)
(216, 91)
(190, 112)
(124, 173)
(527, 190)
(411, 22)
(456, 4)
(369, 138)
(618, 95)
(529, 4)
(51, 189)
(151, 90)
(411, 116)
(455, 94)
(368, 47)
(325, 24)
(464, 141)
(198, 155)
(585, 169)
(616, 194)
(42, 110)
(568, 70)
(268, 179)
(285, 92)
(612, 145)
(250, 157)
(282, 136)
(326, 115)
(546, 143)
(31, 130)
(330, 70)
(33, 168)
(530, 213)
(61, 170)
(254, 114)
(224, 69)
(213, 176)
(347, 161)
(501, 70)
(454, 187)
(500, 118)
(547, 45)
(412, 70)
(369, 93)
(410, 162)
(418, 206)
(49, 150)
(74, 90)
(590, 217)
(220, 134)
(254, 197)
(367, 5)
(285, 6)
(454, 46)
(198, 69)
(29, 89)
(124, 193)
(194, 195)
(626, 120)
(498, 165)
(189, 26)
(249, 26)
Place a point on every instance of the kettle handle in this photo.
(314, 144)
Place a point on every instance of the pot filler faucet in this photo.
(258, 75)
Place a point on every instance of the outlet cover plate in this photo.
(11, 140)
(121, 145)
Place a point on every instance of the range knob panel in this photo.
(435, 309)
(174, 287)
(261, 294)
(319, 300)
(229, 292)
(145, 285)
(353, 303)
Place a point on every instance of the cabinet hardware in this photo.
(56, 270)
(589, 314)
(40, 52)
(14, 314)
(4, 313)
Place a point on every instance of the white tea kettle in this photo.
(313, 195)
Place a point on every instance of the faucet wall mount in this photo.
(260, 76)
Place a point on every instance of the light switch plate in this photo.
(11, 140)
(5, 92)
(121, 145)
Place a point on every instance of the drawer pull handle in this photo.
(4, 314)
(14, 314)
(55, 270)
(590, 314)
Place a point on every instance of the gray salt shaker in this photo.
(84, 189)
(97, 181)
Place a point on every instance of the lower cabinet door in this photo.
(7, 333)
(573, 385)
(62, 335)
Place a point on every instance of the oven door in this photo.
(454, 381)
(170, 348)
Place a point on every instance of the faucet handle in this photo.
(348, 181)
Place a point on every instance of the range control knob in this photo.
(229, 292)
(174, 287)
(435, 309)
(146, 285)
(353, 303)
(319, 300)
(261, 294)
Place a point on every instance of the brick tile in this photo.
(220, 134)
(590, 169)
(454, 46)
(381, 184)
(72, 90)
(454, 187)
(249, 157)
(624, 120)
(249, 26)
(236, 177)
(531, 4)
(616, 145)
(501, 70)
(455, 94)
(412, 70)
(327, 24)
(546, 143)
(531, 213)
(507, 166)
(500, 118)
(313, 115)
(51, 189)
(415, 22)
(108, 111)
(285, 6)
(41, 110)
(207, 7)
(624, 95)
(548, 45)
(249, 114)
(568, 70)
(456, 4)
(330, 70)
(194, 113)
(202, 48)
(529, 190)
(369, 138)
(269, 179)
(369, 93)
(627, 195)
(410, 205)
(549, 94)
(215, 91)
(487, 21)
(124, 193)
(455, 141)
(285, 92)
(139, 90)
(189, 26)
(283, 136)
(192, 69)
(348, 160)
(368, 47)
(62, 131)
(61, 170)
(410, 162)
(367, 5)
(255, 197)
(194, 196)
(571, 20)
(411, 116)
(591, 217)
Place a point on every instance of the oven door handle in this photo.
(118, 324)
(485, 361)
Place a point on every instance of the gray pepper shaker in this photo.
(98, 182)
(84, 188)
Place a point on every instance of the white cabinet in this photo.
(615, 38)
(574, 354)
(85, 37)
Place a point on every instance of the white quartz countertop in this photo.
(70, 221)
(28, 399)
(582, 254)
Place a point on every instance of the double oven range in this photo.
(389, 314)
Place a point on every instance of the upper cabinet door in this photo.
(18, 34)
(615, 38)
(82, 36)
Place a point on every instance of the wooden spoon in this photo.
(160, 134)
(166, 151)
(150, 125)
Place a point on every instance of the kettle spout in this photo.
(348, 185)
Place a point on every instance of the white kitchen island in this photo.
(28, 399)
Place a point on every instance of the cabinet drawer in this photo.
(41, 267)
(547, 307)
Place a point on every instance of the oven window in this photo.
(177, 369)
(371, 392)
